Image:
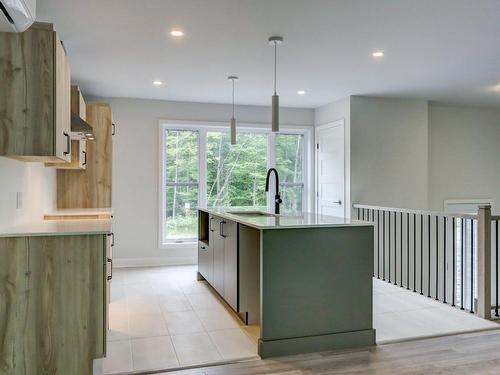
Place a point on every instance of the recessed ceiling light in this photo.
(301, 92)
(157, 83)
(177, 33)
(378, 54)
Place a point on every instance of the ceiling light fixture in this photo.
(378, 54)
(157, 83)
(177, 33)
(275, 121)
(233, 120)
(301, 92)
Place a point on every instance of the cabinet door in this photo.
(16, 326)
(218, 278)
(62, 102)
(230, 233)
(205, 260)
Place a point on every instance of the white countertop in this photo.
(284, 221)
(58, 228)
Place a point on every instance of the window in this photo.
(290, 166)
(199, 166)
(181, 184)
(236, 174)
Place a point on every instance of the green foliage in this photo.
(236, 174)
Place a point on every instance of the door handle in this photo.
(110, 277)
(222, 228)
(210, 226)
(339, 202)
(113, 129)
(112, 235)
(84, 157)
(68, 144)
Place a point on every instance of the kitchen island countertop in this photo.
(256, 219)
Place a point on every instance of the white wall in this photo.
(464, 152)
(389, 158)
(37, 185)
(135, 170)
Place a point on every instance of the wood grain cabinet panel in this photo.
(52, 304)
(34, 96)
(92, 187)
(15, 344)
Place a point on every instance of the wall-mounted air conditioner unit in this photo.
(17, 15)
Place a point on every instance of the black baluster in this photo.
(496, 272)
(437, 258)
(395, 248)
(401, 250)
(429, 256)
(389, 234)
(408, 251)
(472, 266)
(444, 259)
(383, 245)
(378, 244)
(462, 274)
(421, 255)
(414, 251)
(453, 229)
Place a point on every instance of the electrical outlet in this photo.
(19, 200)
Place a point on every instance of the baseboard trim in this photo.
(152, 262)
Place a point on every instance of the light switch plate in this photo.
(19, 200)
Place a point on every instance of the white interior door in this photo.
(330, 169)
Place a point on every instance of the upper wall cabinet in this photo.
(35, 118)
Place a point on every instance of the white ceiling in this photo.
(444, 50)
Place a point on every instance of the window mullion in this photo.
(202, 168)
(271, 162)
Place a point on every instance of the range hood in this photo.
(78, 125)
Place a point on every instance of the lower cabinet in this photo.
(52, 304)
(218, 260)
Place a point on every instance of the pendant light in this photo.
(233, 120)
(275, 122)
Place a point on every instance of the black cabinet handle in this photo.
(211, 229)
(112, 235)
(110, 277)
(113, 127)
(68, 144)
(203, 247)
(84, 157)
(222, 228)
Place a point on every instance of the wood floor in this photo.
(473, 353)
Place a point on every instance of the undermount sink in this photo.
(251, 213)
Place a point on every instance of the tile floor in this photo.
(162, 318)
(399, 314)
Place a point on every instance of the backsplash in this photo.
(37, 185)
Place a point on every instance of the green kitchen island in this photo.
(305, 279)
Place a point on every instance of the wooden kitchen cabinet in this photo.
(78, 156)
(35, 113)
(52, 303)
(91, 188)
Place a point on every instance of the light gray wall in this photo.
(136, 170)
(389, 158)
(464, 152)
(37, 185)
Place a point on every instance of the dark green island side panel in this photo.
(316, 289)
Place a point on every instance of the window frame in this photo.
(203, 127)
